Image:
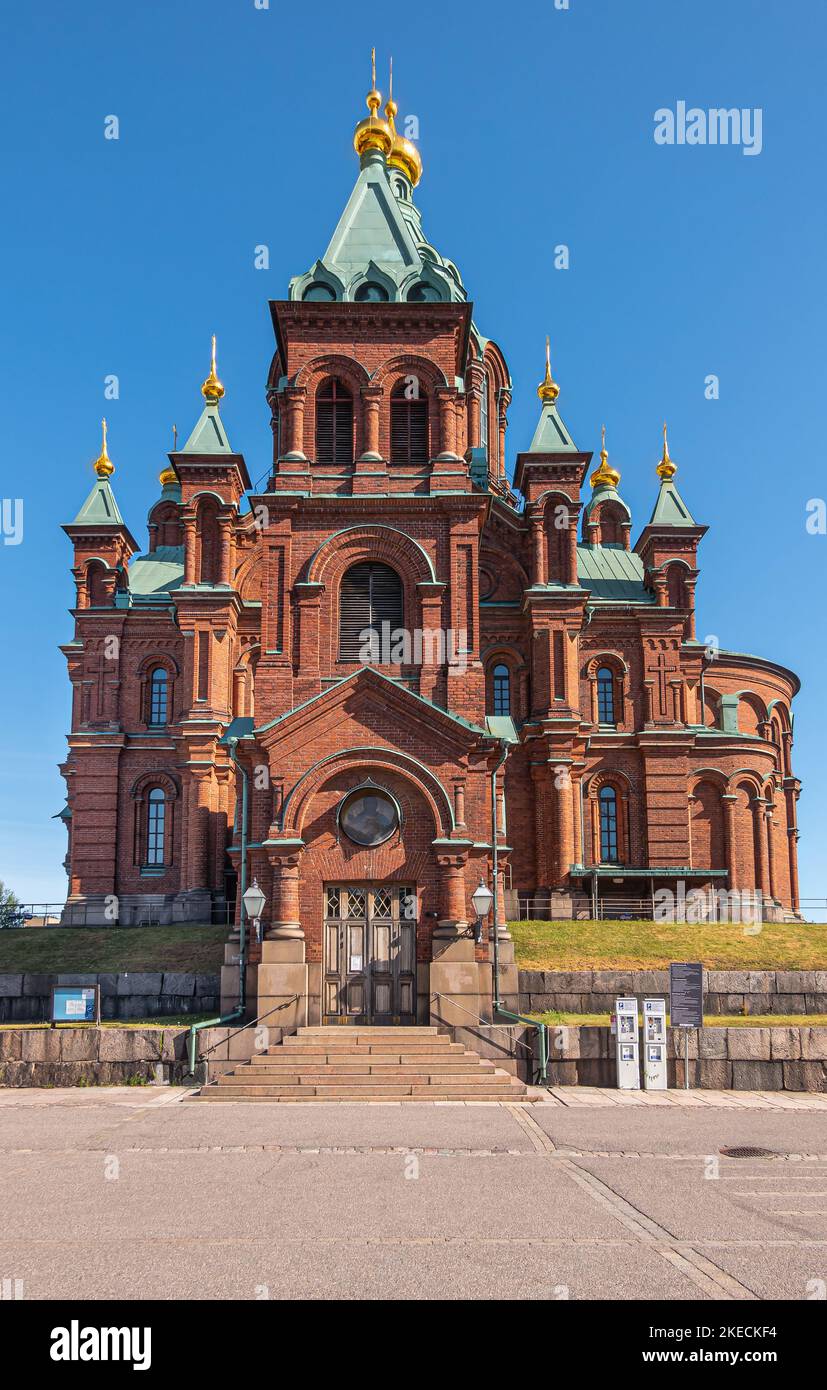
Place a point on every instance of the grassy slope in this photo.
(60, 949)
(652, 945)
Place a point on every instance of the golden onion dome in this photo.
(666, 469)
(604, 476)
(167, 476)
(212, 389)
(103, 465)
(548, 390)
(404, 155)
(373, 133)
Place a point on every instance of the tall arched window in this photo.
(155, 827)
(605, 696)
(207, 532)
(484, 414)
(409, 425)
(608, 825)
(370, 612)
(334, 423)
(158, 696)
(502, 689)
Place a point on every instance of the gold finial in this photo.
(666, 469)
(373, 133)
(548, 390)
(604, 476)
(103, 465)
(212, 390)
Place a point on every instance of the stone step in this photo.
(378, 1065)
(402, 1088)
(359, 1030)
(390, 1048)
(479, 1098)
(244, 1077)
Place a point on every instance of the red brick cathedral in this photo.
(348, 685)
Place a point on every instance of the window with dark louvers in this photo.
(334, 424)
(370, 596)
(409, 424)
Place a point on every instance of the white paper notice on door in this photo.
(355, 963)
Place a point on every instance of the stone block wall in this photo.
(739, 1059)
(26, 998)
(727, 991)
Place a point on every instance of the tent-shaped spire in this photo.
(670, 508)
(100, 507)
(209, 435)
(378, 251)
(551, 435)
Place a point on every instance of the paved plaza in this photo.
(121, 1193)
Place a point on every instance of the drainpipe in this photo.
(495, 871)
(542, 1031)
(241, 1007)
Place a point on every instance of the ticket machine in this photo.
(628, 1060)
(654, 1044)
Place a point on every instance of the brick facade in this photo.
(237, 601)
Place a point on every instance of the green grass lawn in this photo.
(652, 945)
(49, 950)
(564, 1020)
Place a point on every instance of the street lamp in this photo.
(254, 905)
(482, 898)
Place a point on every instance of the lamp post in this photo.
(482, 898)
(253, 901)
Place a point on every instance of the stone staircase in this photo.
(363, 1064)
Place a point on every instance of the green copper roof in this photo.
(157, 572)
(604, 494)
(670, 508)
(551, 435)
(612, 573)
(379, 238)
(209, 435)
(100, 507)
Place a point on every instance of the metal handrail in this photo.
(542, 1029)
(253, 1021)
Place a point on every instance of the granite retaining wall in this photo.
(726, 991)
(26, 998)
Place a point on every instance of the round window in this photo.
(369, 817)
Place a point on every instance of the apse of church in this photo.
(312, 685)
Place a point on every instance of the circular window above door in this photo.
(368, 816)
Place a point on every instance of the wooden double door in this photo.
(369, 953)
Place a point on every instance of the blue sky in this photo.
(536, 130)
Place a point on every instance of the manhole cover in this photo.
(748, 1152)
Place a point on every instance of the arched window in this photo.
(370, 612)
(96, 585)
(502, 689)
(371, 293)
(155, 827)
(423, 293)
(605, 696)
(409, 426)
(334, 423)
(319, 291)
(608, 825)
(207, 532)
(158, 696)
(484, 414)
